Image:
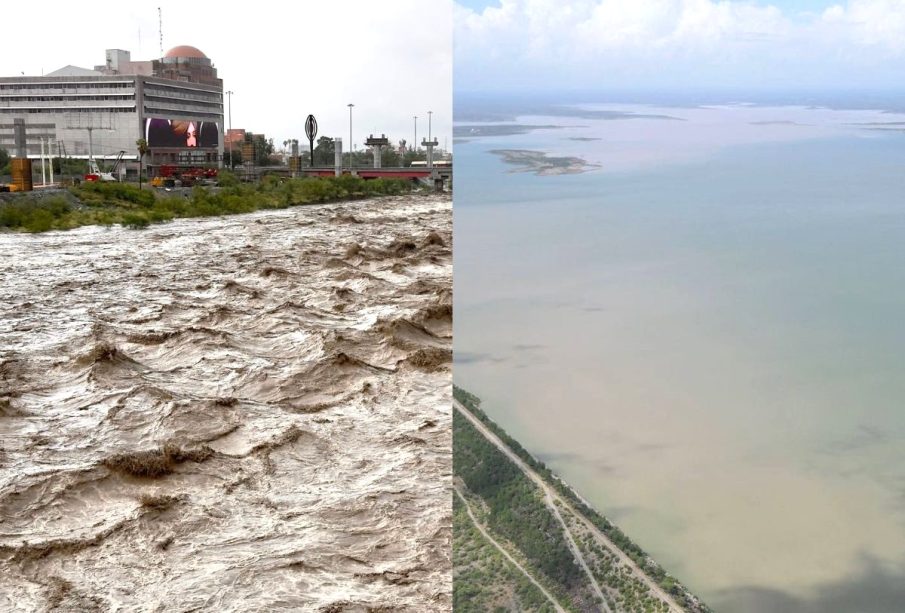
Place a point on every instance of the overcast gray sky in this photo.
(283, 60)
(679, 44)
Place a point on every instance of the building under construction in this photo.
(175, 103)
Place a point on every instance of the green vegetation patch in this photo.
(121, 203)
(33, 215)
(515, 510)
(483, 579)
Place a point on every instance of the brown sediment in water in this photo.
(157, 462)
(433, 239)
(157, 502)
(243, 413)
(430, 358)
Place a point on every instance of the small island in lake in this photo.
(543, 164)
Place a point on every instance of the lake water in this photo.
(706, 337)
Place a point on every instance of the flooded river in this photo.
(242, 413)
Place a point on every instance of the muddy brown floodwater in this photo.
(233, 414)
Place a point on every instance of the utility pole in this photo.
(43, 169)
(92, 164)
(229, 95)
(350, 105)
(415, 142)
(429, 114)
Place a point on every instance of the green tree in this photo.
(236, 159)
(142, 146)
(390, 157)
(324, 151)
(363, 158)
(263, 150)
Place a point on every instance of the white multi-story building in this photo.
(175, 103)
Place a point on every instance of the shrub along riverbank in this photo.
(119, 203)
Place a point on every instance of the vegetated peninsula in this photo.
(543, 164)
(523, 540)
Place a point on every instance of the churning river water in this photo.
(232, 414)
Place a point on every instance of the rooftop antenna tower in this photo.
(160, 28)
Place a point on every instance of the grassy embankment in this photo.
(514, 511)
(631, 596)
(119, 203)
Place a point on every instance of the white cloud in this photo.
(634, 43)
(878, 24)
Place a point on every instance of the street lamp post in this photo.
(429, 113)
(415, 146)
(350, 105)
(229, 95)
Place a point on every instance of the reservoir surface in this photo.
(703, 334)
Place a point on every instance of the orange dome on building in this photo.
(185, 51)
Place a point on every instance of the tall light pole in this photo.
(350, 105)
(229, 95)
(429, 113)
(415, 145)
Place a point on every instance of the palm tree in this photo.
(142, 145)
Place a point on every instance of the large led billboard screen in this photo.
(181, 133)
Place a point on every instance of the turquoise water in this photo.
(707, 338)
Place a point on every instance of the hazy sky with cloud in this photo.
(662, 44)
(392, 59)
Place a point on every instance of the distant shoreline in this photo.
(506, 129)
